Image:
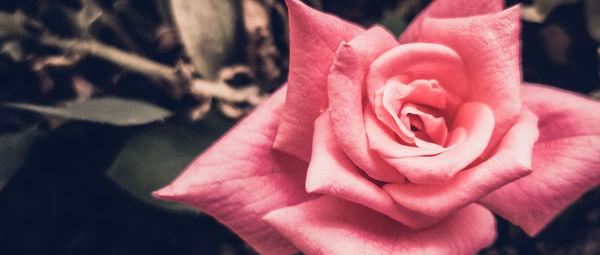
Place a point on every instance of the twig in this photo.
(126, 60)
(151, 68)
(223, 91)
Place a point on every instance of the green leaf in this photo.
(152, 158)
(14, 148)
(107, 110)
(207, 30)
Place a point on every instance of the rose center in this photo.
(411, 111)
(416, 124)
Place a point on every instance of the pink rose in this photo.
(378, 145)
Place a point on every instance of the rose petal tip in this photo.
(514, 11)
(311, 187)
(273, 218)
(291, 4)
(166, 193)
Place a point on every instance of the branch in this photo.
(124, 59)
(151, 68)
(223, 91)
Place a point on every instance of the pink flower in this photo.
(378, 145)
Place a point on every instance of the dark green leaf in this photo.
(207, 30)
(14, 148)
(108, 110)
(152, 158)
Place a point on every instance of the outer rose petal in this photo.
(331, 173)
(335, 226)
(345, 90)
(566, 159)
(489, 46)
(510, 161)
(241, 178)
(449, 9)
(314, 38)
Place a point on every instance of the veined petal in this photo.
(489, 46)
(510, 161)
(335, 226)
(241, 178)
(449, 9)
(566, 159)
(314, 38)
(331, 173)
(345, 92)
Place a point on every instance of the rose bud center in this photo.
(412, 111)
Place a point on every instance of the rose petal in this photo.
(390, 100)
(240, 179)
(333, 226)
(566, 159)
(314, 38)
(489, 46)
(434, 127)
(423, 92)
(345, 92)
(409, 62)
(477, 121)
(386, 111)
(510, 161)
(449, 9)
(331, 173)
(383, 140)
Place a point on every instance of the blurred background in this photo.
(104, 101)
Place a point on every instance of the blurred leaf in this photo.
(592, 16)
(152, 158)
(14, 148)
(595, 94)
(14, 50)
(539, 10)
(207, 30)
(398, 18)
(394, 21)
(12, 25)
(108, 110)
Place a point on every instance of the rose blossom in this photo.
(378, 145)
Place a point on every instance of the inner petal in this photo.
(391, 98)
(425, 125)
(385, 142)
(424, 92)
(386, 108)
(416, 124)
